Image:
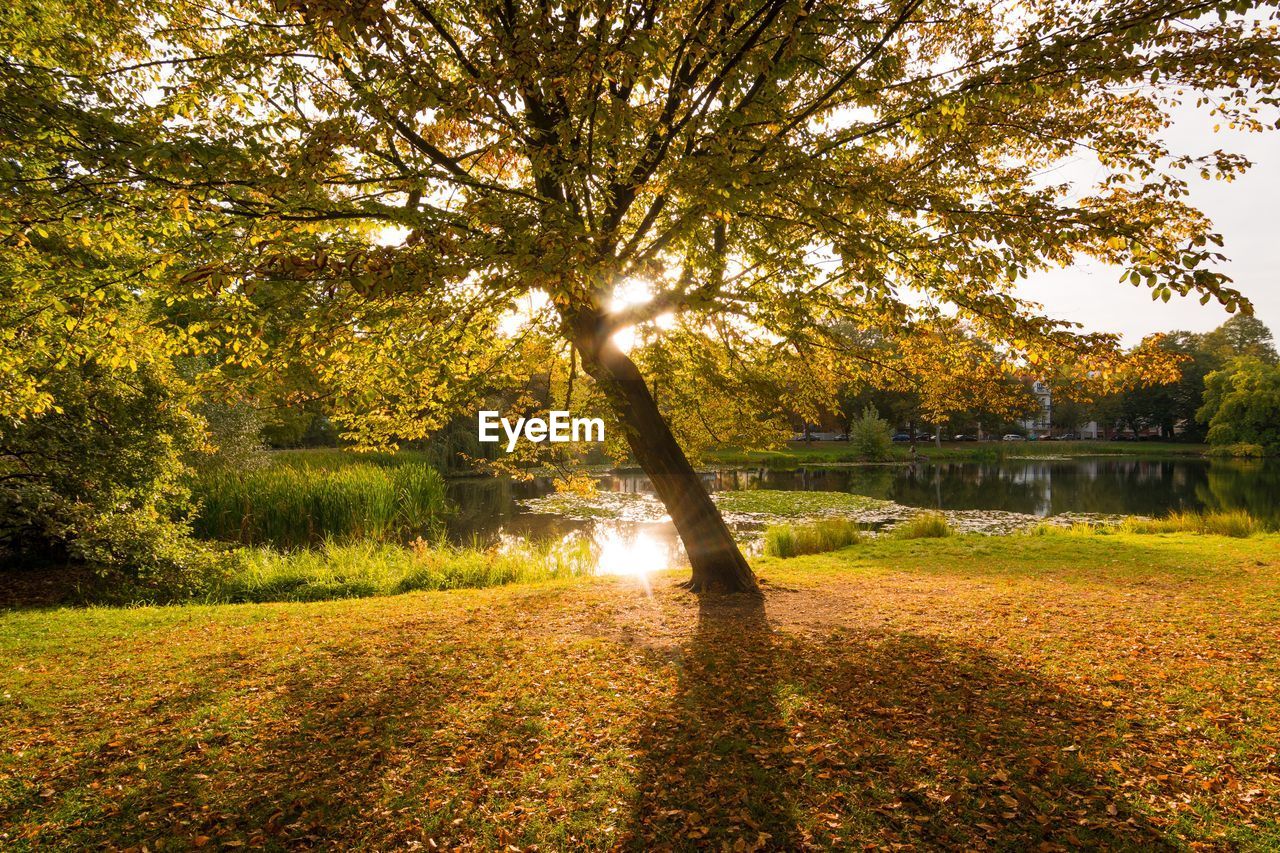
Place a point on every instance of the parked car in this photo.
(902, 436)
(1122, 437)
(1068, 436)
(1013, 436)
(964, 437)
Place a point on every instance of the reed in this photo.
(294, 506)
(926, 525)
(1236, 523)
(829, 534)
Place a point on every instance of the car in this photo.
(1068, 436)
(1013, 436)
(963, 437)
(901, 436)
(1122, 437)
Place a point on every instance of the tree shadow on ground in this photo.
(714, 763)
(780, 740)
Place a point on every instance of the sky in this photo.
(1246, 212)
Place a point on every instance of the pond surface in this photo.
(490, 510)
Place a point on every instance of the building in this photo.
(1040, 422)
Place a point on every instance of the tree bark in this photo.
(718, 565)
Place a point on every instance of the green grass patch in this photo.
(291, 506)
(1109, 692)
(829, 534)
(368, 568)
(330, 458)
(788, 504)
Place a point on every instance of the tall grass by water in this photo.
(295, 506)
(1237, 523)
(926, 525)
(369, 568)
(828, 534)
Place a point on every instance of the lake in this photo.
(490, 510)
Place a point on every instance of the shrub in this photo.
(291, 507)
(829, 534)
(926, 525)
(1239, 451)
(870, 436)
(96, 479)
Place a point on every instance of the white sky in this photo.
(1244, 212)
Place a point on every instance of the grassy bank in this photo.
(369, 568)
(826, 452)
(1050, 692)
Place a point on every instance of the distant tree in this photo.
(1242, 335)
(1242, 405)
(1067, 415)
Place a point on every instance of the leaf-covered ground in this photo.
(986, 692)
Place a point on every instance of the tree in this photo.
(1242, 405)
(1242, 335)
(368, 187)
(869, 436)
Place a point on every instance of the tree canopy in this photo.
(367, 188)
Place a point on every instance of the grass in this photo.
(826, 452)
(297, 505)
(926, 525)
(779, 503)
(1237, 523)
(1055, 692)
(370, 568)
(329, 458)
(828, 534)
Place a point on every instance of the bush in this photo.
(792, 540)
(96, 479)
(870, 436)
(1239, 451)
(926, 525)
(292, 507)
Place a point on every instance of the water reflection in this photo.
(635, 549)
(489, 509)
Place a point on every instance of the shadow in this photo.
(767, 737)
(780, 740)
(714, 764)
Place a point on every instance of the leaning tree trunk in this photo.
(717, 563)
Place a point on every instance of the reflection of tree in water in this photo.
(1251, 485)
(971, 486)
